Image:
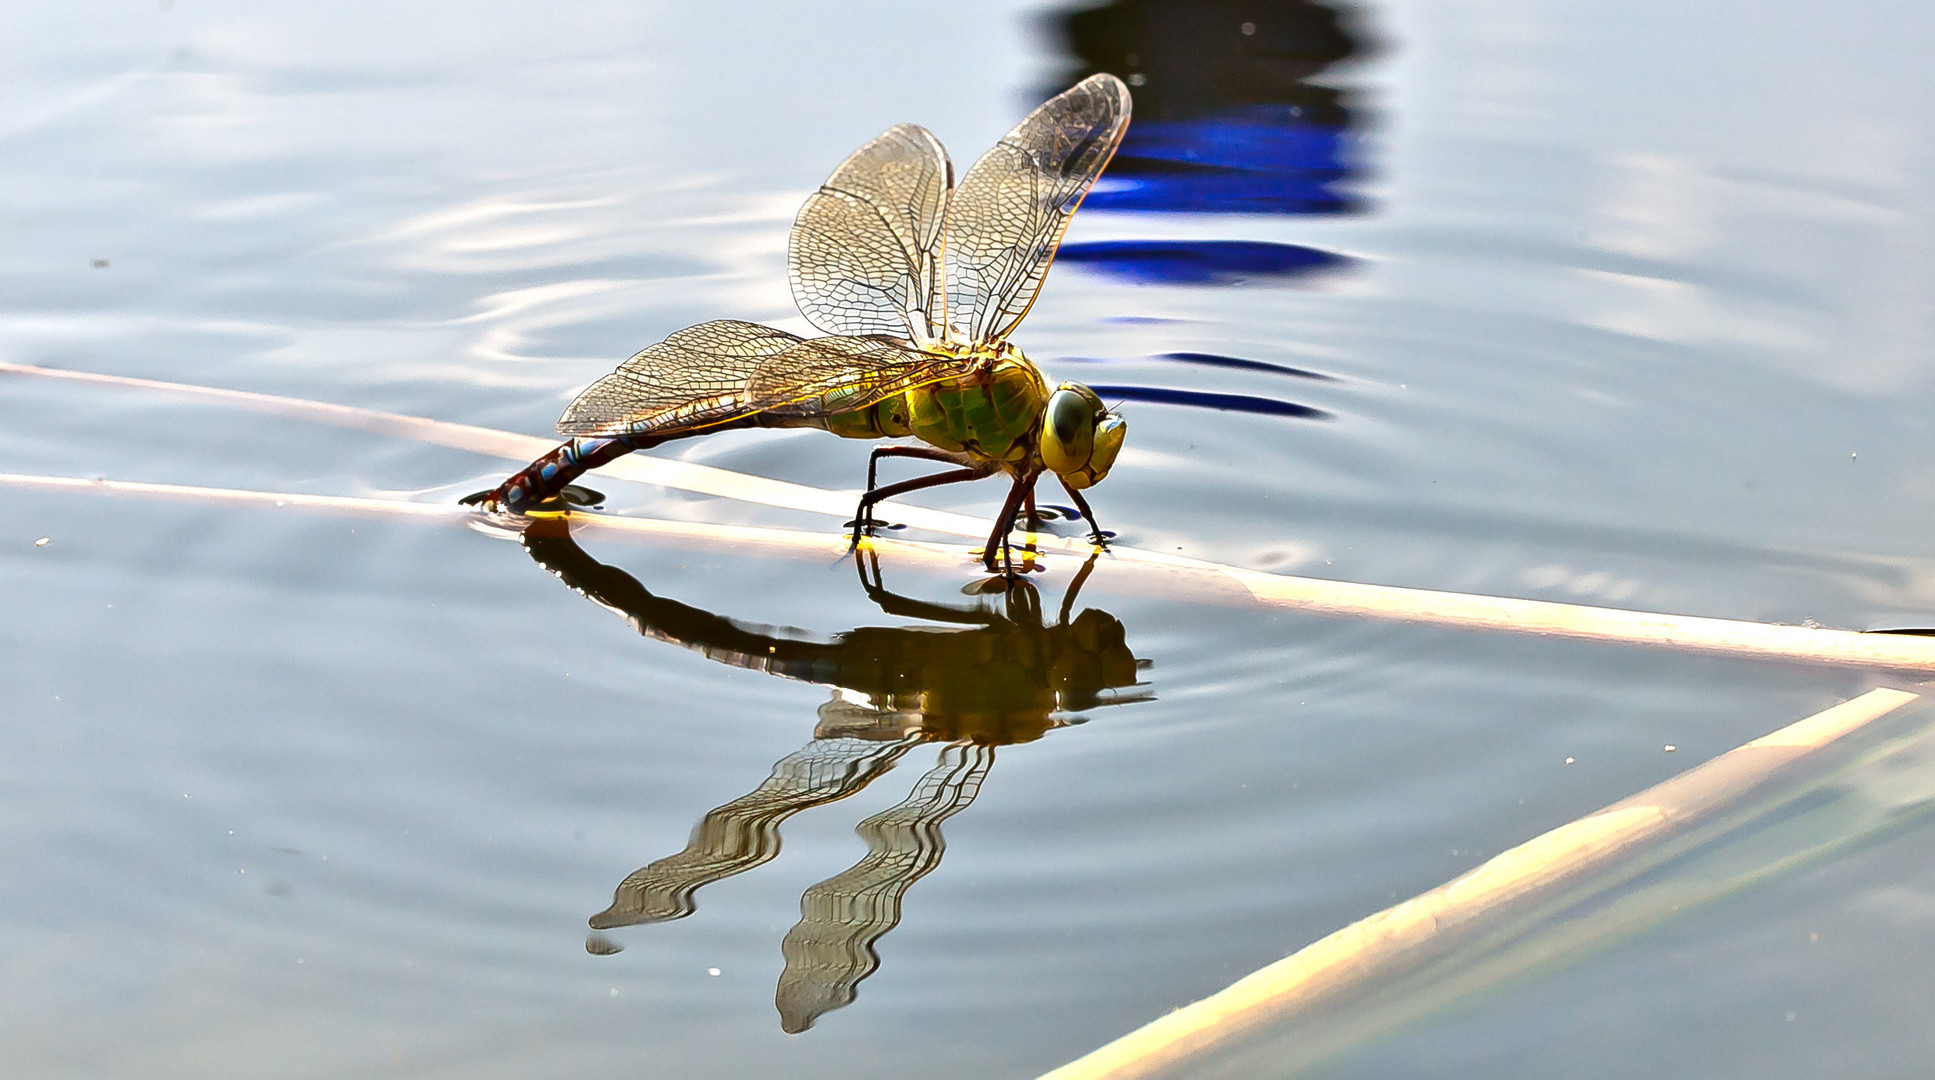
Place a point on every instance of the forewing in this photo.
(1008, 215)
(718, 372)
(864, 256)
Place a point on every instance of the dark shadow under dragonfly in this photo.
(999, 677)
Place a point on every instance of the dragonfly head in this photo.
(1080, 436)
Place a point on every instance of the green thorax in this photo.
(990, 412)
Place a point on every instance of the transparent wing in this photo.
(717, 372)
(697, 373)
(864, 256)
(1008, 215)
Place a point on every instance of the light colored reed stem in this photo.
(1907, 655)
(1395, 939)
(1196, 578)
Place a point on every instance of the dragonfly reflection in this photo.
(1000, 677)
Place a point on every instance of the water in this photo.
(1630, 309)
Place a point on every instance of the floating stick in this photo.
(696, 534)
(1899, 652)
(1402, 938)
(644, 468)
(235, 496)
(1196, 578)
(1911, 655)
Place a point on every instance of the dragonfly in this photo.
(916, 284)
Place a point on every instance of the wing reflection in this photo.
(744, 833)
(989, 678)
(830, 949)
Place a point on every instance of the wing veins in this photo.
(1007, 218)
(678, 387)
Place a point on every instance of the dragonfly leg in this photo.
(1075, 587)
(861, 562)
(1005, 523)
(864, 518)
(1034, 516)
(867, 501)
(1095, 533)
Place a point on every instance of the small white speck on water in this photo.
(43, 541)
(714, 972)
(1568, 761)
(300, 960)
(614, 991)
(1670, 748)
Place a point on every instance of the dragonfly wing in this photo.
(828, 376)
(1008, 215)
(864, 256)
(694, 378)
(718, 372)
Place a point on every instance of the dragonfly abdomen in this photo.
(886, 419)
(542, 480)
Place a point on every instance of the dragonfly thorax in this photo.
(1000, 411)
(991, 412)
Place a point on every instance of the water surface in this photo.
(1624, 305)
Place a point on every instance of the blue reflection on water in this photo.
(1199, 261)
(1260, 159)
(1229, 117)
(1240, 364)
(1202, 399)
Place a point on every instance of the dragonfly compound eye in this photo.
(1067, 431)
(1080, 436)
